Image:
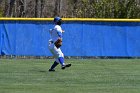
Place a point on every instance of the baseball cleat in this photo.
(68, 65)
(63, 67)
(51, 70)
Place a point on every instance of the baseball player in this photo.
(55, 43)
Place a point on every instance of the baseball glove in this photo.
(58, 43)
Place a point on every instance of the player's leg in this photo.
(61, 59)
(59, 56)
(51, 48)
(53, 66)
(57, 53)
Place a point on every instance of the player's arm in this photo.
(58, 43)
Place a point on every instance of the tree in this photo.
(9, 4)
(71, 8)
(39, 8)
(108, 9)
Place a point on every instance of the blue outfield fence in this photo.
(81, 38)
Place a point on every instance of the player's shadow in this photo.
(43, 71)
(38, 70)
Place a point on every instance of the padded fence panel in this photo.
(32, 38)
(80, 38)
(102, 38)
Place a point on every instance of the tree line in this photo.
(70, 8)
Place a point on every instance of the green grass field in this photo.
(85, 76)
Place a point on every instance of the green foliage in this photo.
(1, 13)
(71, 8)
(108, 9)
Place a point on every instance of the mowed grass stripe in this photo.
(85, 76)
